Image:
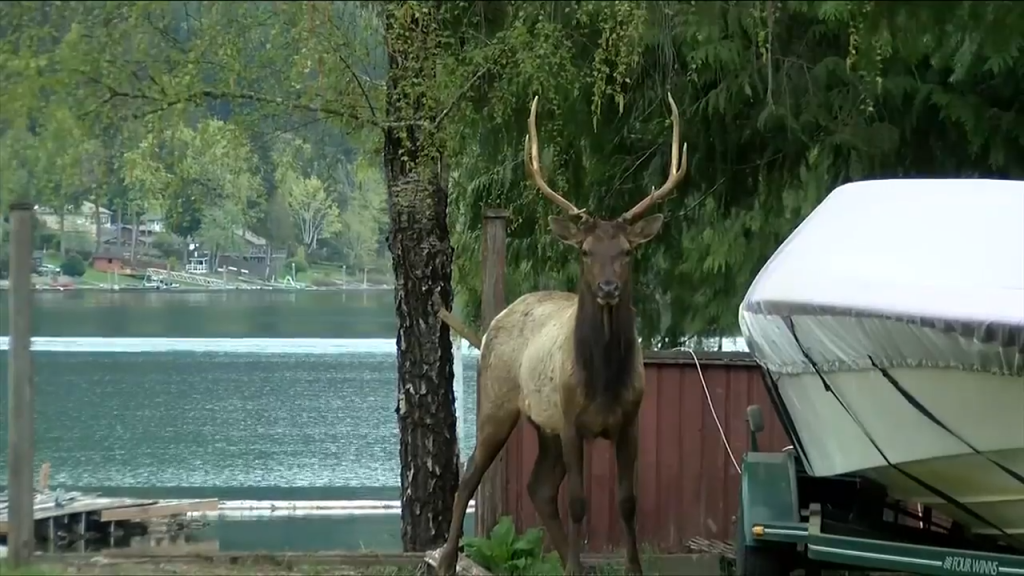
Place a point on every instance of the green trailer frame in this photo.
(788, 520)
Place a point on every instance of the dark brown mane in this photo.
(606, 362)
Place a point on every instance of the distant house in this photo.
(121, 235)
(252, 258)
(198, 263)
(109, 260)
(88, 211)
(82, 219)
(255, 249)
(152, 222)
(149, 225)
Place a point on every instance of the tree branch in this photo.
(469, 86)
(199, 96)
(344, 61)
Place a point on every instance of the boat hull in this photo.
(984, 409)
(891, 327)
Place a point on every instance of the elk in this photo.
(572, 365)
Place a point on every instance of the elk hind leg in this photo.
(495, 424)
(545, 479)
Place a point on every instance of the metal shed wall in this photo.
(687, 485)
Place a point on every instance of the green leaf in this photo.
(504, 532)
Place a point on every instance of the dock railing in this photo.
(158, 274)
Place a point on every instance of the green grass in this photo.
(374, 277)
(91, 276)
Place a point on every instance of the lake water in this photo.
(242, 395)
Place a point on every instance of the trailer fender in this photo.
(768, 492)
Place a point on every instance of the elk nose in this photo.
(608, 288)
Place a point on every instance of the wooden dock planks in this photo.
(115, 509)
(159, 510)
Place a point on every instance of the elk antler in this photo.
(675, 175)
(531, 156)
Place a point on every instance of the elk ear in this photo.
(565, 230)
(645, 229)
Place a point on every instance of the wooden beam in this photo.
(44, 477)
(20, 399)
(463, 566)
(493, 246)
(459, 327)
(490, 498)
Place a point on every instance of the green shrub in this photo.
(73, 266)
(75, 241)
(504, 552)
(172, 264)
(299, 263)
(323, 282)
(166, 244)
(49, 240)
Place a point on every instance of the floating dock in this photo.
(74, 518)
(254, 509)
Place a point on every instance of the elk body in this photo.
(572, 365)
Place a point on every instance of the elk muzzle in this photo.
(608, 292)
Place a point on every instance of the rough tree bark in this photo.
(422, 261)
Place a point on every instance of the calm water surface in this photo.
(262, 396)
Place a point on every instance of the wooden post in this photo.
(490, 498)
(21, 412)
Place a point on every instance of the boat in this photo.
(890, 328)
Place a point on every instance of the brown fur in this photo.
(571, 364)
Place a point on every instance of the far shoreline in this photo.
(198, 290)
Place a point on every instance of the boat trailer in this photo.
(790, 520)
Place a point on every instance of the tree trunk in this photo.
(96, 220)
(135, 234)
(63, 252)
(422, 261)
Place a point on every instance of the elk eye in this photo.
(628, 252)
(586, 253)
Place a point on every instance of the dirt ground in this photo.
(170, 567)
(315, 564)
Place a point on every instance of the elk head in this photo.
(605, 245)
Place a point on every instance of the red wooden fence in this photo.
(687, 484)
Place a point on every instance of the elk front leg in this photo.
(572, 452)
(626, 450)
(495, 426)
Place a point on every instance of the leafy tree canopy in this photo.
(780, 102)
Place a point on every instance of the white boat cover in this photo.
(908, 273)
